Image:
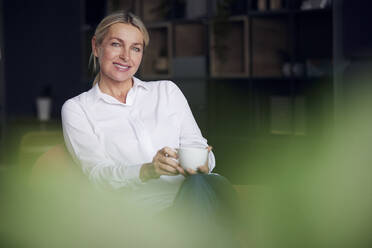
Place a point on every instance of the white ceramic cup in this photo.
(192, 157)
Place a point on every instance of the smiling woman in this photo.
(124, 132)
(119, 55)
(120, 38)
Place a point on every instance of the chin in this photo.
(121, 79)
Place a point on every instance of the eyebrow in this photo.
(116, 38)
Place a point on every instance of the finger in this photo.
(165, 173)
(191, 171)
(209, 148)
(168, 168)
(203, 169)
(158, 155)
(169, 152)
(181, 171)
(162, 170)
(169, 161)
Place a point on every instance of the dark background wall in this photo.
(42, 44)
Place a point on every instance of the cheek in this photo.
(107, 53)
(138, 58)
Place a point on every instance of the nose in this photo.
(125, 55)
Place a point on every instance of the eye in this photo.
(136, 49)
(115, 44)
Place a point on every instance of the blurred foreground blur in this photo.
(74, 214)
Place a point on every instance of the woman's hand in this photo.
(204, 169)
(163, 163)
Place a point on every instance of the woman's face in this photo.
(120, 53)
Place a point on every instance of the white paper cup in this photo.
(192, 157)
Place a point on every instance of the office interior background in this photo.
(259, 75)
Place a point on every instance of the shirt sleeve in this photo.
(190, 134)
(84, 145)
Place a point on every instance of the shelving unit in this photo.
(157, 56)
(251, 47)
(190, 44)
(150, 13)
(245, 56)
(189, 38)
(269, 37)
(229, 49)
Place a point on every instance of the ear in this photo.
(94, 46)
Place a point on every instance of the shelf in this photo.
(313, 11)
(150, 11)
(229, 49)
(269, 39)
(190, 39)
(155, 77)
(313, 78)
(264, 13)
(268, 13)
(158, 24)
(279, 78)
(157, 57)
(229, 76)
(201, 20)
(231, 57)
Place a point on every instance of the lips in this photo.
(121, 67)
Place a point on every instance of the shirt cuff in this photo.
(132, 173)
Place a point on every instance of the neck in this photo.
(118, 90)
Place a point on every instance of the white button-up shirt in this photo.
(111, 140)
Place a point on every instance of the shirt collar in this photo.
(137, 82)
(97, 94)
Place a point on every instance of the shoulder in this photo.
(77, 103)
(163, 87)
(167, 92)
(73, 102)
